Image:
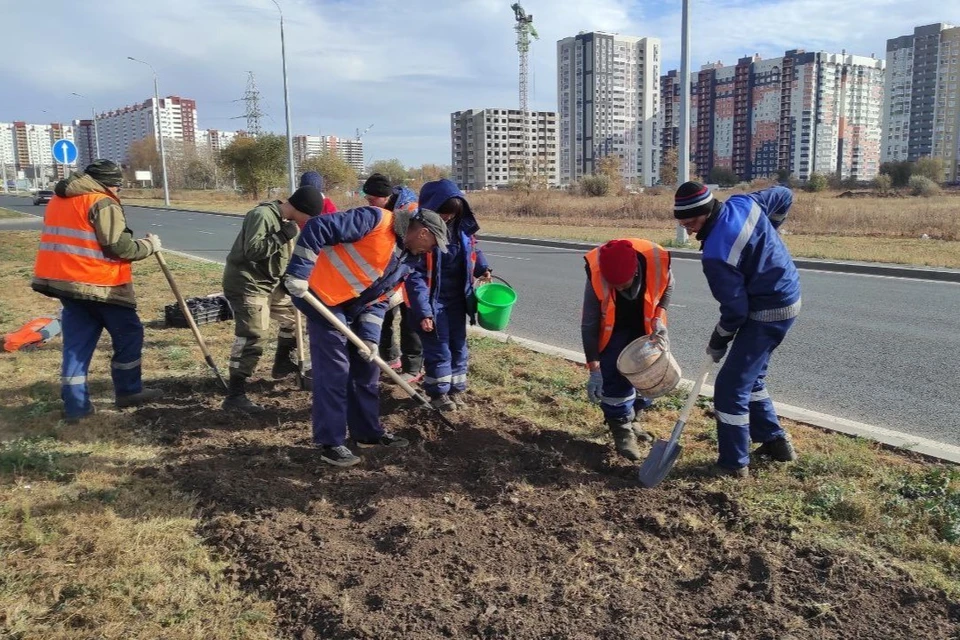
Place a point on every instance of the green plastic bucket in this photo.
(494, 303)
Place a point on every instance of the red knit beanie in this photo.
(618, 262)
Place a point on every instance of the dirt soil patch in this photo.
(501, 529)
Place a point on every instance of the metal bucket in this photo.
(649, 366)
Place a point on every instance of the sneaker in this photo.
(396, 365)
(459, 399)
(338, 456)
(386, 440)
(240, 403)
(76, 419)
(411, 378)
(716, 471)
(136, 399)
(778, 450)
(443, 403)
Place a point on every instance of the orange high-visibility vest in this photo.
(344, 271)
(69, 249)
(656, 279)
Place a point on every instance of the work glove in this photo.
(595, 387)
(373, 347)
(717, 347)
(296, 287)
(288, 230)
(660, 332)
(154, 242)
(486, 278)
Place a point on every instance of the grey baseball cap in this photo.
(432, 221)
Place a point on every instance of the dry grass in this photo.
(821, 225)
(10, 213)
(90, 544)
(842, 492)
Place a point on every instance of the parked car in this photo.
(43, 196)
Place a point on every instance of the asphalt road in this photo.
(885, 351)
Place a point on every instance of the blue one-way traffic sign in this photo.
(64, 152)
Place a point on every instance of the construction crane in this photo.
(525, 30)
(360, 134)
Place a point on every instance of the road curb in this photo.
(930, 448)
(810, 264)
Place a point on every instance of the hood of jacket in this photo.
(405, 196)
(434, 194)
(80, 184)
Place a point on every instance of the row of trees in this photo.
(259, 164)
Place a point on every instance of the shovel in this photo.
(189, 317)
(373, 356)
(304, 379)
(664, 453)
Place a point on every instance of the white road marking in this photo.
(209, 233)
(497, 255)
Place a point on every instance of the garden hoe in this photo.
(373, 356)
(304, 376)
(189, 317)
(664, 453)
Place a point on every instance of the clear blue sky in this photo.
(402, 65)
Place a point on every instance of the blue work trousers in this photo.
(620, 402)
(445, 352)
(346, 389)
(83, 321)
(743, 406)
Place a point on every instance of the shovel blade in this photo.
(658, 464)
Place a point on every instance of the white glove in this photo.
(374, 349)
(154, 242)
(295, 286)
(595, 387)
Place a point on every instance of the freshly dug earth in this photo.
(500, 529)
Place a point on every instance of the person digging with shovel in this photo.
(352, 262)
(629, 283)
(252, 286)
(752, 276)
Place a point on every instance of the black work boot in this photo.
(237, 399)
(624, 439)
(779, 450)
(283, 364)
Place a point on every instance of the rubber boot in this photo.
(283, 364)
(237, 399)
(624, 439)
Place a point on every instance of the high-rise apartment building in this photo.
(122, 127)
(487, 147)
(349, 149)
(804, 112)
(608, 90)
(214, 140)
(26, 151)
(669, 111)
(921, 111)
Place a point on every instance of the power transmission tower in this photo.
(253, 112)
(525, 30)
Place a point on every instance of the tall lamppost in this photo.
(286, 102)
(683, 157)
(156, 108)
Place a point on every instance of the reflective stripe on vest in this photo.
(344, 271)
(656, 269)
(69, 250)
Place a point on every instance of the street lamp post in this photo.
(286, 102)
(683, 157)
(93, 112)
(163, 155)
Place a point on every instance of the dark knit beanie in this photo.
(105, 172)
(377, 185)
(691, 200)
(308, 200)
(618, 262)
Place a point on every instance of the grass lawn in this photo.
(176, 521)
(10, 213)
